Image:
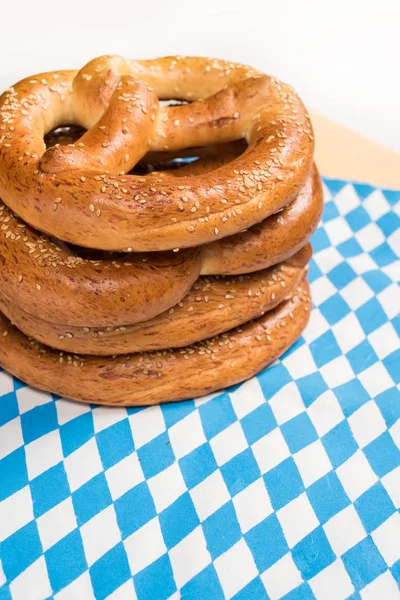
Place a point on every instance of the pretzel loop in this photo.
(130, 113)
(117, 100)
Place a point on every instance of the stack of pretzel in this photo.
(126, 282)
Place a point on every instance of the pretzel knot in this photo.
(118, 102)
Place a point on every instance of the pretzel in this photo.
(97, 204)
(50, 281)
(169, 375)
(213, 306)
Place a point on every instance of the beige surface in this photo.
(345, 154)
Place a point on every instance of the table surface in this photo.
(344, 154)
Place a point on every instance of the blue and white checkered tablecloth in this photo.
(287, 486)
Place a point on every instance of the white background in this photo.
(341, 55)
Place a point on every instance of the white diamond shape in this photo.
(375, 379)
(10, 437)
(322, 289)
(287, 403)
(56, 523)
(247, 397)
(338, 231)
(370, 237)
(384, 340)
(105, 416)
(33, 583)
(167, 486)
(348, 332)
(344, 530)
(29, 398)
(6, 383)
(328, 259)
(189, 557)
(389, 298)
(312, 462)
(337, 372)
(333, 583)
(187, 434)
(356, 293)
(347, 199)
(297, 519)
(145, 546)
(325, 412)
(43, 453)
(391, 483)
(67, 410)
(100, 534)
(362, 263)
(146, 425)
(124, 475)
(376, 205)
(83, 464)
(367, 423)
(300, 362)
(281, 578)
(356, 475)
(209, 495)
(16, 511)
(80, 588)
(270, 450)
(252, 505)
(228, 443)
(235, 568)
(387, 539)
(383, 587)
(316, 326)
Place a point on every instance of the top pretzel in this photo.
(82, 194)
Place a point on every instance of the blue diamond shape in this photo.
(240, 471)
(216, 415)
(283, 483)
(49, 488)
(66, 560)
(156, 456)
(110, 572)
(313, 553)
(198, 465)
(134, 509)
(327, 497)
(20, 550)
(156, 581)
(267, 542)
(364, 563)
(90, 499)
(221, 530)
(115, 443)
(76, 432)
(178, 520)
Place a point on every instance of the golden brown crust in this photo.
(214, 305)
(137, 379)
(112, 96)
(48, 280)
(273, 240)
(51, 282)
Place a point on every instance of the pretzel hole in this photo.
(63, 135)
(211, 157)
